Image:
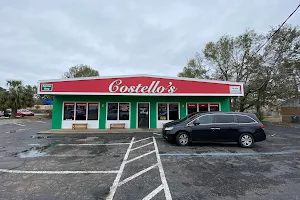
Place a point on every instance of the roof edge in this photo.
(140, 75)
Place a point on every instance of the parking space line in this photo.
(162, 173)
(138, 157)
(34, 144)
(113, 188)
(42, 122)
(56, 172)
(137, 174)
(142, 139)
(19, 124)
(156, 134)
(153, 193)
(64, 155)
(227, 154)
(93, 144)
(141, 146)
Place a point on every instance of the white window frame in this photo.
(197, 103)
(168, 116)
(75, 107)
(118, 117)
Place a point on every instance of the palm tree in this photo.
(18, 96)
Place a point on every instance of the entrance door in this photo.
(143, 115)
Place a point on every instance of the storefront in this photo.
(138, 101)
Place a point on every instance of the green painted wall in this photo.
(59, 99)
(57, 112)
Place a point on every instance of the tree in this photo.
(194, 69)
(17, 96)
(80, 71)
(2, 96)
(270, 75)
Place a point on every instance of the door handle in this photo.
(215, 128)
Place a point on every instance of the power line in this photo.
(276, 31)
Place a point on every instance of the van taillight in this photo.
(262, 126)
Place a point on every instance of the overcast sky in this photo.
(42, 39)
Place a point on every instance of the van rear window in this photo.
(244, 119)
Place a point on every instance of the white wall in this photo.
(92, 124)
(126, 122)
(160, 123)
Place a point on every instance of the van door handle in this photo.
(215, 128)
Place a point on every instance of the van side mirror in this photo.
(196, 123)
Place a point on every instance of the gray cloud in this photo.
(42, 39)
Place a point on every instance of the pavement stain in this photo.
(221, 184)
(33, 152)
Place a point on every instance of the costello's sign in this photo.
(154, 87)
(140, 85)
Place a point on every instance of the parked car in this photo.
(24, 112)
(7, 113)
(243, 128)
(1, 113)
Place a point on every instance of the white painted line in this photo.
(138, 157)
(7, 132)
(141, 146)
(137, 174)
(162, 173)
(19, 124)
(142, 139)
(156, 134)
(65, 155)
(94, 144)
(34, 145)
(154, 192)
(113, 188)
(22, 129)
(42, 122)
(56, 172)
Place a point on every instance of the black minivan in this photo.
(244, 128)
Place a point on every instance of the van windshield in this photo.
(190, 117)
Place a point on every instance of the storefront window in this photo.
(93, 111)
(162, 111)
(173, 111)
(112, 111)
(124, 111)
(192, 107)
(80, 111)
(214, 107)
(118, 111)
(203, 107)
(69, 111)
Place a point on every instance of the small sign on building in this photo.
(235, 89)
(47, 87)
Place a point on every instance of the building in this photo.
(137, 101)
(290, 110)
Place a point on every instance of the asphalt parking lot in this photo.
(143, 165)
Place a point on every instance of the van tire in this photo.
(246, 140)
(183, 139)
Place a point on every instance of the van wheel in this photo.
(246, 140)
(183, 139)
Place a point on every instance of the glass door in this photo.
(143, 115)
